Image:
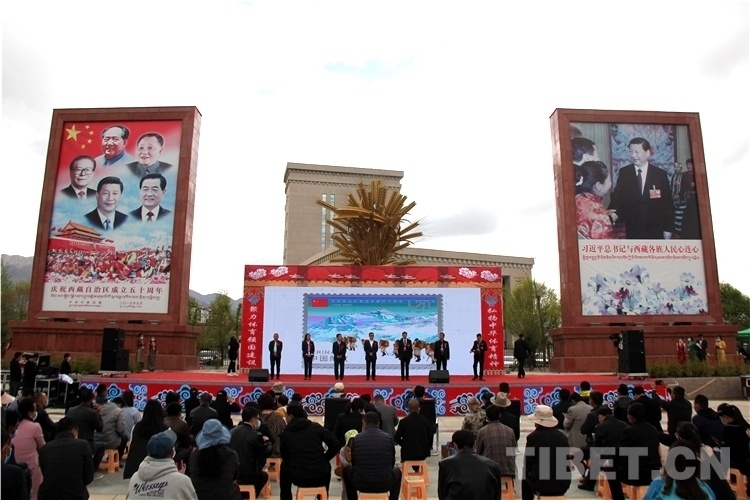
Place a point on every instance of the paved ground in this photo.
(113, 487)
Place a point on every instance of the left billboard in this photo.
(113, 216)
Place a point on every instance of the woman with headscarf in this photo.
(233, 351)
(224, 406)
(214, 467)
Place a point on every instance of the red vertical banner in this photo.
(492, 326)
(252, 328)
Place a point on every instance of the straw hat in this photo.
(501, 400)
(543, 416)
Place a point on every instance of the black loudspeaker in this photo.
(115, 360)
(113, 338)
(440, 377)
(632, 357)
(259, 375)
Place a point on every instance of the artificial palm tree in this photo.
(368, 230)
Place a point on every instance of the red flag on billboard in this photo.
(319, 302)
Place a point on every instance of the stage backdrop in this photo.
(326, 300)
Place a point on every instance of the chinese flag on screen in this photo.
(319, 302)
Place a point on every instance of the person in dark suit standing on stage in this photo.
(274, 350)
(642, 198)
(521, 351)
(152, 189)
(404, 351)
(81, 174)
(371, 355)
(106, 216)
(442, 352)
(308, 354)
(478, 349)
(339, 357)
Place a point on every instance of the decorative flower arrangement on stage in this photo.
(634, 293)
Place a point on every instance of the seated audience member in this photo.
(86, 417)
(152, 423)
(130, 415)
(252, 448)
(673, 483)
(574, 419)
(545, 473)
(468, 474)
(717, 482)
(49, 429)
(735, 438)
(214, 467)
(112, 435)
(414, 434)
(174, 421)
(475, 418)
(66, 464)
(497, 442)
(306, 452)
(506, 417)
(486, 398)
(225, 406)
(157, 475)
(652, 407)
(351, 419)
(585, 391)
(623, 402)
(561, 406)
(191, 403)
(707, 421)
(640, 443)
(388, 417)
(678, 409)
(373, 461)
(201, 414)
(275, 422)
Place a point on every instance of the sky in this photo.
(457, 95)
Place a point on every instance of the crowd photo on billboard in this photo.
(639, 239)
(110, 239)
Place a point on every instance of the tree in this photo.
(15, 303)
(735, 306)
(367, 231)
(194, 312)
(221, 323)
(532, 310)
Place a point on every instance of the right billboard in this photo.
(631, 197)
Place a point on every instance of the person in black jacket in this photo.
(252, 449)
(521, 351)
(233, 351)
(623, 401)
(639, 436)
(467, 474)
(305, 462)
(373, 462)
(653, 409)
(15, 483)
(30, 371)
(707, 421)
(540, 475)
(678, 410)
(65, 368)
(414, 434)
(66, 464)
(15, 375)
(350, 419)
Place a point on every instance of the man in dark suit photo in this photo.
(642, 198)
(442, 352)
(81, 174)
(274, 350)
(152, 189)
(105, 216)
(338, 349)
(371, 355)
(149, 148)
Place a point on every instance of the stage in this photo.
(536, 388)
